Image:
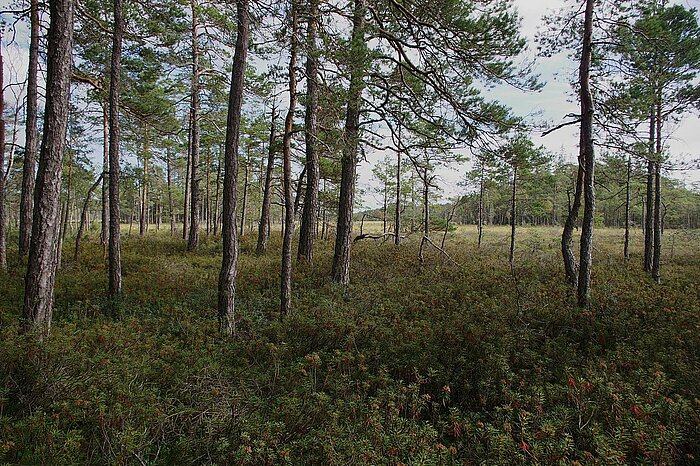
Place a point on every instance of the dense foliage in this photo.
(431, 363)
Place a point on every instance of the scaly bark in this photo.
(193, 239)
(31, 134)
(115, 262)
(229, 264)
(264, 225)
(286, 272)
(343, 241)
(41, 268)
(309, 217)
(587, 110)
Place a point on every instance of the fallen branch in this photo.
(442, 251)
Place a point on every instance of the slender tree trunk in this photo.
(480, 220)
(286, 274)
(426, 213)
(229, 264)
(41, 268)
(343, 241)
(216, 198)
(188, 176)
(585, 256)
(627, 207)
(570, 265)
(656, 260)
(649, 215)
(3, 214)
(115, 266)
(31, 134)
(143, 218)
(193, 240)
(104, 237)
(245, 196)
(69, 188)
(397, 209)
(385, 209)
(207, 200)
(309, 218)
(511, 256)
(171, 205)
(264, 225)
(83, 217)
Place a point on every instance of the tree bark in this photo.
(286, 273)
(245, 195)
(3, 215)
(343, 242)
(480, 220)
(143, 217)
(115, 265)
(649, 217)
(397, 208)
(264, 225)
(31, 134)
(309, 218)
(171, 205)
(570, 264)
(83, 217)
(627, 207)
(188, 175)
(207, 198)
(193, 239)
(41, 268)
(104, 237)
(656, 261)
(227, 276)
(216, 197)
(587, 110)
(511, 255)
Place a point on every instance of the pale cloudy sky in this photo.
(552, 103)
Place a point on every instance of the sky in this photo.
(551, 104)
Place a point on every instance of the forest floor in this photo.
(440, 362)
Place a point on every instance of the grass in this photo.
(413, 363)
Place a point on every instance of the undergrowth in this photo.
(414, 363)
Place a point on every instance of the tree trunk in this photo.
(104, 237)
(115, 265)
(31, 134)
(397, 209)
(627, 207)
(264, 225)
(83, 217)
(480, 220)
(245, 196)
(227, 276)
(207, 200)
(385, 209)
(309, 217)
(649, 215)
(3, 215)
(143, 218)
(286, 274)
(171, 205)
(41, 268)
(188, 175)
(343, 241)
(216, 197)
(511, 256)
(193, 240)
(656, 261)
(585, 256)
